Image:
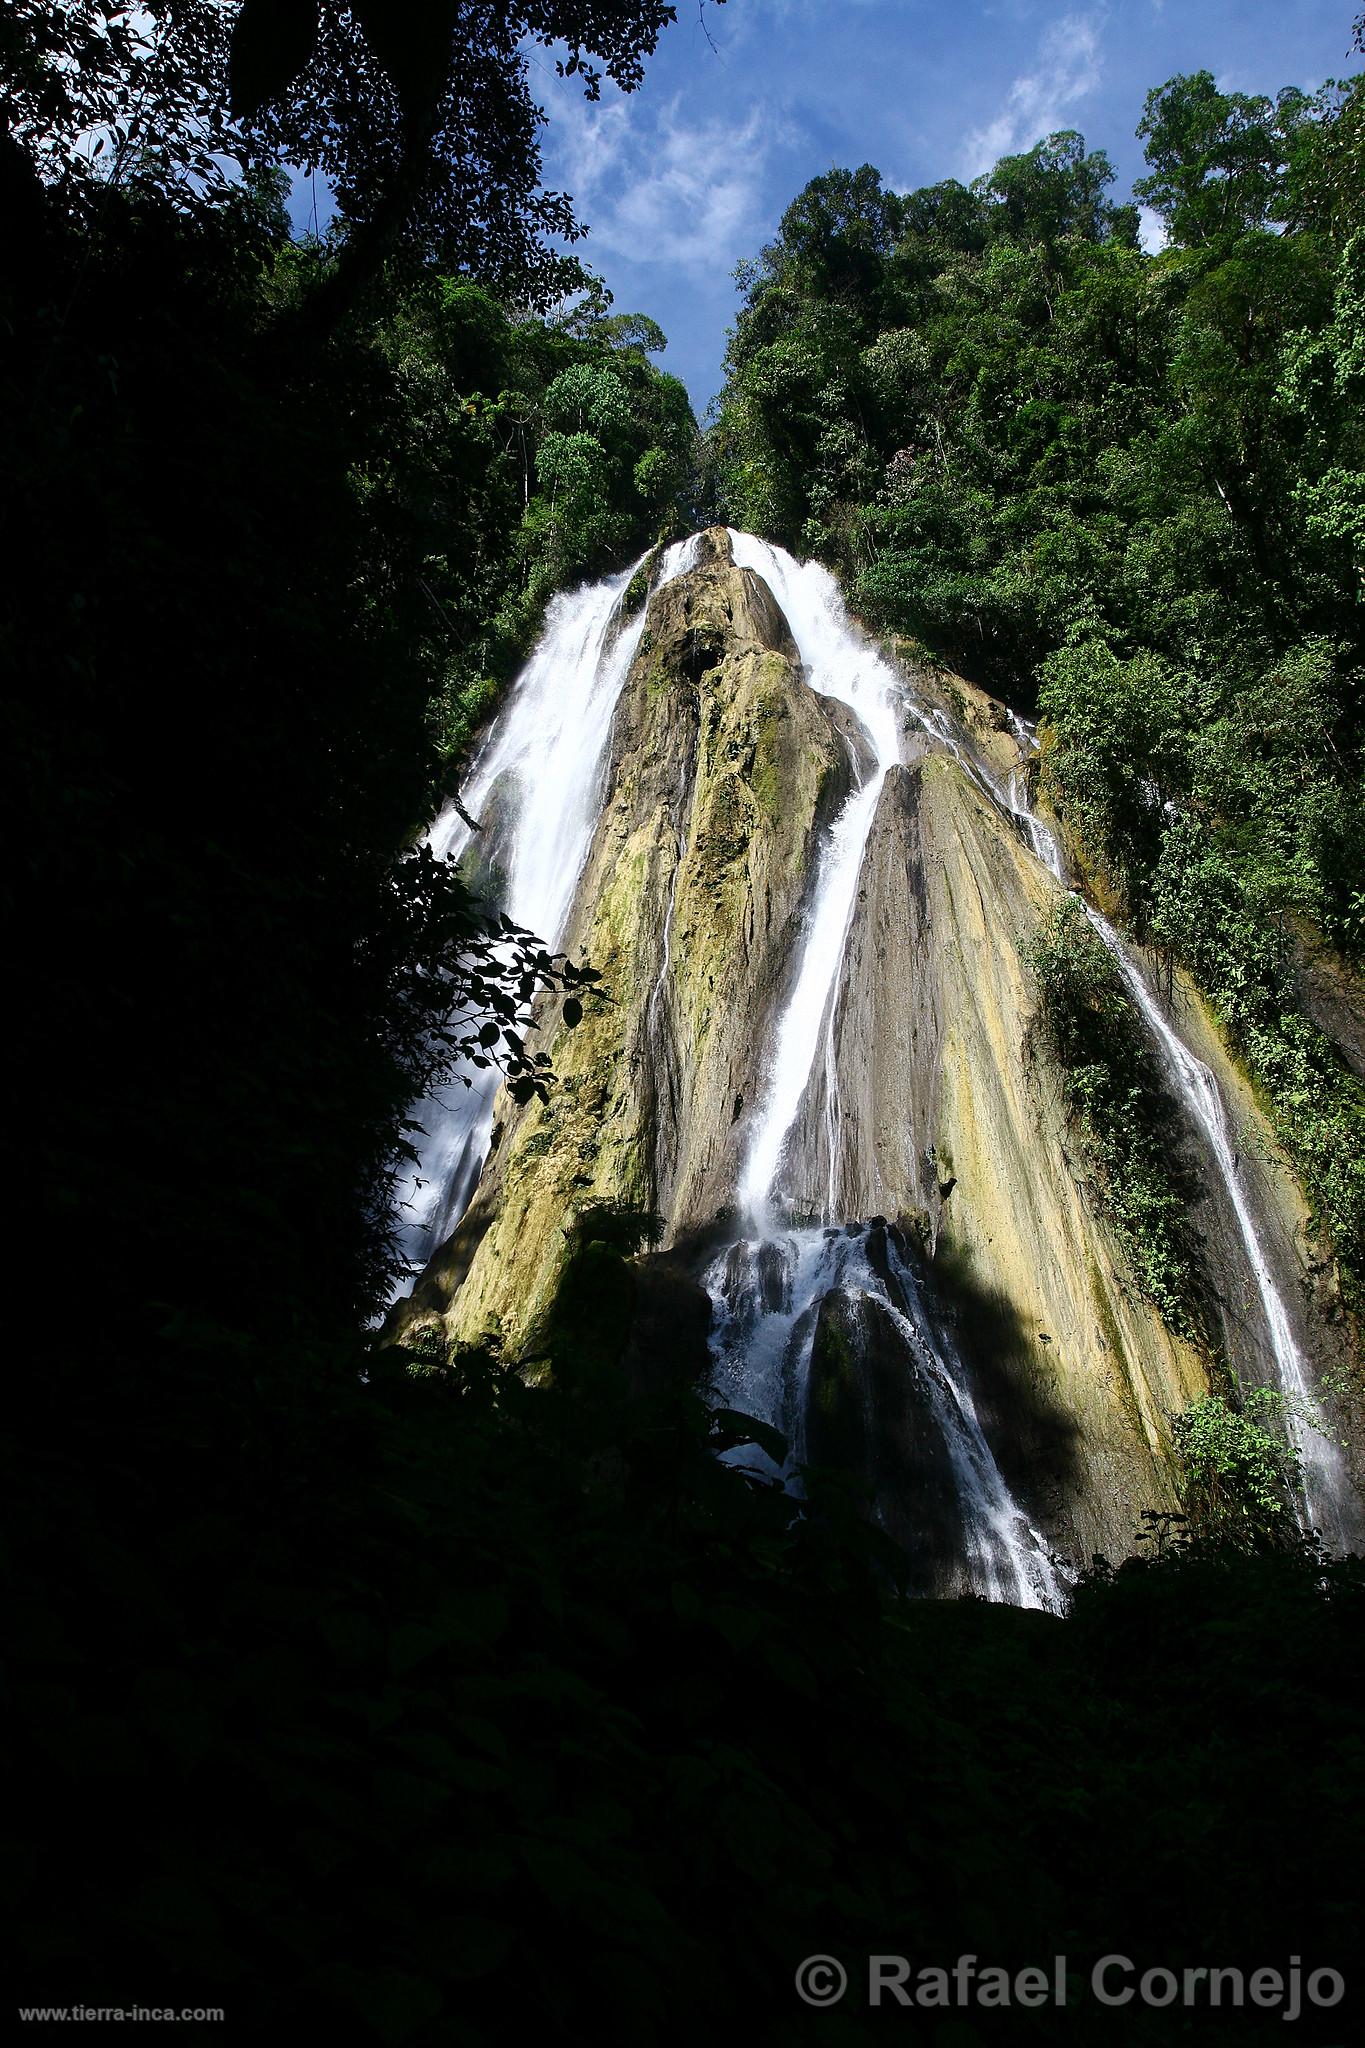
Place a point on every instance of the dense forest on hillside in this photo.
(368, 1692)
(1128, 491)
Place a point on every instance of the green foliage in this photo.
(1055, 189)
(1105, 716)
(1114, 1096)
(1322, 389)
(572, 470)
(460, 710)
(1237, 1466)
(1218, 912)
(1126, 490)
(541, 436)
(1218, 159)
(107, 94)
(588, 398)
(408, 110)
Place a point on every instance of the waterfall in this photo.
(768, 1290)
(825, 1324)
(536, 785)
(768, 1296)
(1042, 843)
(1322, 1468)
(1006, 1557)
(841, 665)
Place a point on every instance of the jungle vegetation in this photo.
(1125, 489)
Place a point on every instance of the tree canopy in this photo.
(1127, 489)
(1218, 159)
(417, 112)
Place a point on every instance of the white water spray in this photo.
(542, 766)
(767, 1300)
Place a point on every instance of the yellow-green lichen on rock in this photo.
(948, 1117)
(934, 1117)
(724, 766)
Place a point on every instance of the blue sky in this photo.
(683, 178)
(741, 106)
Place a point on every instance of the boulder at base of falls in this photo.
(667, 1344)
(870, 1415)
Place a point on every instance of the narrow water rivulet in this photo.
(1325, 1493)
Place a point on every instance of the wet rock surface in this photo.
(869, 1413)
(1021, 1361)
(724, 768)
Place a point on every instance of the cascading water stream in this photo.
(767, 1290)
(1321, 1467)
(537, 787)
(768, 1295)
(841, 666)
(1042, 842)
(1006, 1558)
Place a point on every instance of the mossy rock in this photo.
(637, 590)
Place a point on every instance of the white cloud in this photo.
(663, 189)
(1067, 70)
(1151, 231)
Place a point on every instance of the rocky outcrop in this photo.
(870, 1415)
(942, 1117)
(724, 767)
(1297, 1250)
(931, 1104)
(1332, 994)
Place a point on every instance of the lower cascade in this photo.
(808, 874)
(826, 1332)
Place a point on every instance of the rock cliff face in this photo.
(724, 767)
(949, 1118)
(931, 1130)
